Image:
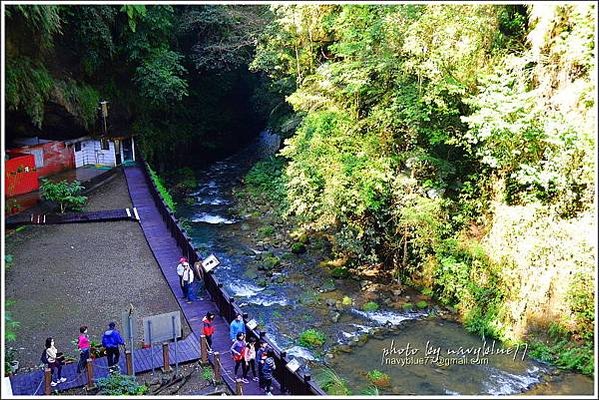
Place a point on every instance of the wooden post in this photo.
(238, 387)
(203, 349)
(89, 368)
(166, 365)
(307, 378)
(47, 380)
(217, 367)
(129, 362)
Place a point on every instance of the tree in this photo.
(66, 194)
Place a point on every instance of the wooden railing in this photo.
(291, 382)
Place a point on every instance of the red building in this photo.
(21, 174)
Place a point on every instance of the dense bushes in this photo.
(462, 164)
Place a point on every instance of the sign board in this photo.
(293, 365)
(252, 324)
(125, 327)
(210, 263)
(161, 327)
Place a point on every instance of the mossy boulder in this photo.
(407, 307)
(371, 306)
(340, 273)
(312, 338)
(422, 304)
(298, 248)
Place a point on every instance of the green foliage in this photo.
(582, 303)
(28, 87)
(66, 194)
(298, 248)
(371, 391)
(10, 324)
(371, 306)
(162, 190)
(266, 181)
(422, 304)
(379, 378)
(159, 77)
(332, 383)
(266, 231)
(133, 12)
(82, 100)
(407, 307)
(312, 338)
(271, 261)
(340, 273)
(207, 374)
(8, 261)
(565, 355)
(120, 385)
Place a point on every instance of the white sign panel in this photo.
(252, 324)
(210, 263)
(293, 365)
(161, 326)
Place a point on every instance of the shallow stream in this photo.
(300, 296)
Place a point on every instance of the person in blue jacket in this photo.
(237, 325)
(111, 340)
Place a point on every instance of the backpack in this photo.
(44, 357)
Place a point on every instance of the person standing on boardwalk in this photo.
(55, 361)
(250, 358)
(188, 278)
(238, 350)
(111, 340)
(180, 271)
(237, 326)
(83, 345)
(208, 329)
(267, 370)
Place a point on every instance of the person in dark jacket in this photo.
(111, 340)
(267, 368)
(208, 329)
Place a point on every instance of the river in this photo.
(300, 296)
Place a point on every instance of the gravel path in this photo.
(69, 275)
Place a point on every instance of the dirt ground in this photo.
(64, 276)
(192, 383)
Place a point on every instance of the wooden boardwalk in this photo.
(33, 383)
(167, 254)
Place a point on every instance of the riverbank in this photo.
(64, 276)
(261, 204)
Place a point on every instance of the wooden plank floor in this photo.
(167, 254)
(32, 383)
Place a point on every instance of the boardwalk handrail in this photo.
(291, 382)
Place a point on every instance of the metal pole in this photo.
(175, 337)
(151, 347)
(131, 342)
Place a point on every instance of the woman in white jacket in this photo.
(55, 360)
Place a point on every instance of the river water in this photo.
(299, 296)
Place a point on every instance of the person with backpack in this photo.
(83, 344)
(238, 350)
(267, 369)
(208, 329)
(111, 340)
(54, 359)
(237, 326)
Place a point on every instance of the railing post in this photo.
(129, 362)
(238, 387)
(203, 349)
(307, 378)
(47, 380)
(217, 367)
(89, 368)
(166, 365)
